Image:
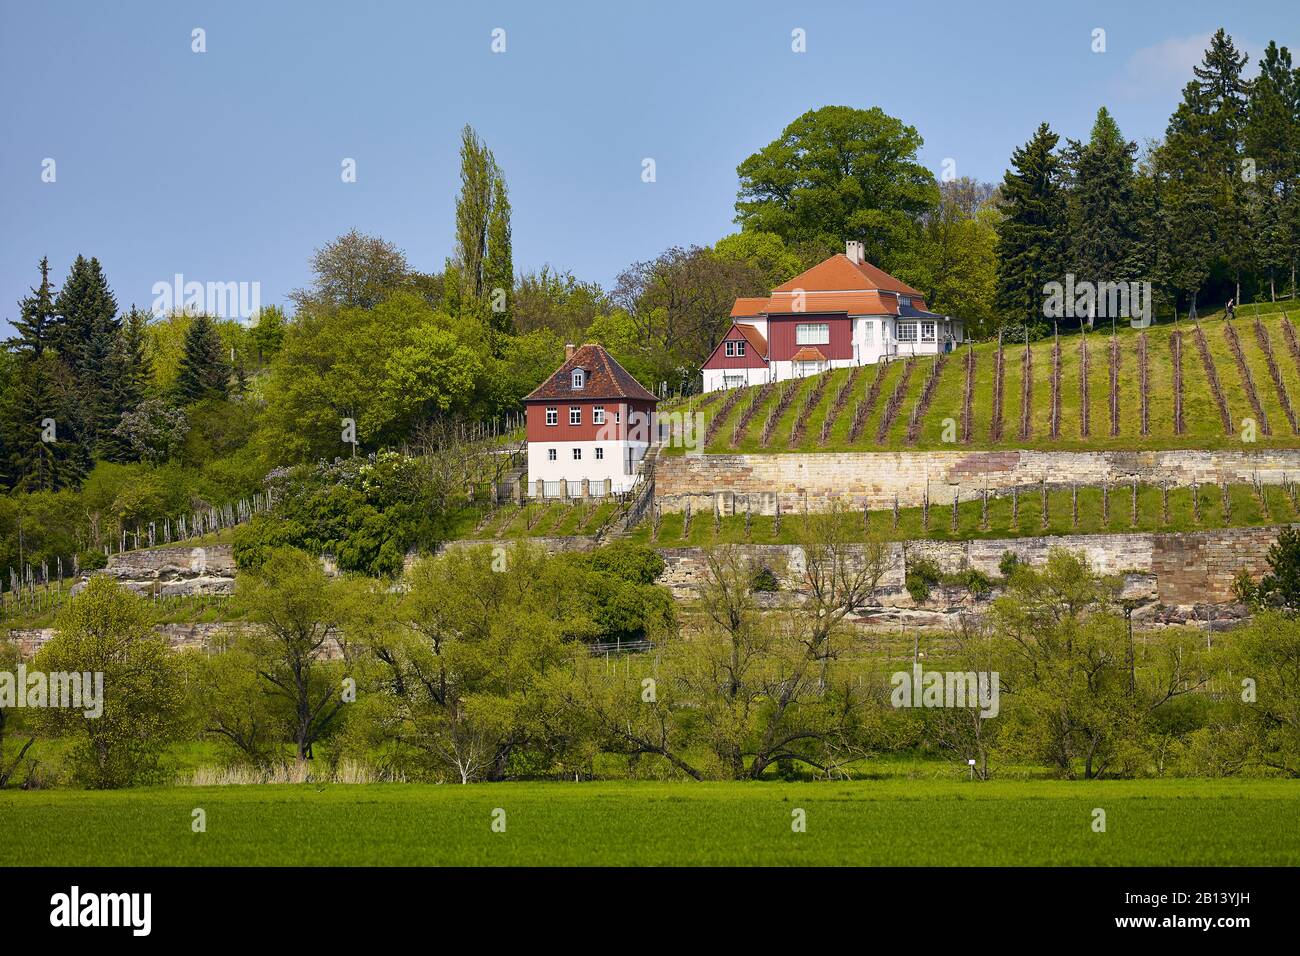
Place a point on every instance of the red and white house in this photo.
(841, 312)
(588, 426)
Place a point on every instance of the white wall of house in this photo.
(716, 378)
(615, 460)
(873, 336)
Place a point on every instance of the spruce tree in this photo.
(45, 450)
(204, 372)
(1102, 205)
(1272, 143)
(37, 321)
(85, 308)
(1030, 234)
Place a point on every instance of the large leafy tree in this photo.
(1031, 232)
(386, 368)
(840, 173)
(353, 271)
(107, 630)
(956, 261)
(680, 303)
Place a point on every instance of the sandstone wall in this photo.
(757, 482)
(1175, 570)
(215, 558)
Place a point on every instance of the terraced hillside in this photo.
(1213, 385)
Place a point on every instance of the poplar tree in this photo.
(499, 269)
(484, 262)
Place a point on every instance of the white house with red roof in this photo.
(588, 425)
(841, 312)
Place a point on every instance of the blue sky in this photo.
(225, 166)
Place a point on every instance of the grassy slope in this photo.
(1246, 511)
(1204, 428)
(898, 822)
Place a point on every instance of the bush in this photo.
(91, 560)
(1008, 564)
(922, 575)
(765, 580)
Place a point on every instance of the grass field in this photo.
(889, 822)
(1203, 424)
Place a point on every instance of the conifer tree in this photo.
(1030, 234)
(85, 309)
(203, 372)
(45, 450)
(1272, 146)
(1102, 204)
(37, 320)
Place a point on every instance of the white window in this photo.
(907, 331)
(730, 349)
(579, 378)
(575, 414)
(812, 333)
(550, 454)
(733, 381)
(904, 300)
(552, 416)
(927, 331)
(869, 332)
(598, 415)
(600, 454)
(740, 348)
(577, 454)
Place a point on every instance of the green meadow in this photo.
(907, 822)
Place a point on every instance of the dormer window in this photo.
(905, 301)
(578, 378)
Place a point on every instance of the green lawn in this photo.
(1246, 510)
(891, 822)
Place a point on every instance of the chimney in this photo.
(854, 250)
(568, 351)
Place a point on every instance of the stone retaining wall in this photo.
(814, 481)
(1176, 570)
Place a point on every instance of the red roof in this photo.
(839, 273)
(753, 337)
(808, 354)
(747, 307)
(854, 303)
(605, 378)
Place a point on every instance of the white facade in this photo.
(596, 461)
(716, 378)
(874, 337)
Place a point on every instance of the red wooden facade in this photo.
(751, 359)
(782, 339)
(615, 427)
